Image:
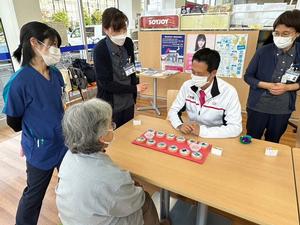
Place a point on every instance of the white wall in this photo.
(26, 11)
(14, 14)
(10, 26)
(169, 4)
(126, 7)
(136, 8)
(130, 8)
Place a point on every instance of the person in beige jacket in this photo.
(92, 190)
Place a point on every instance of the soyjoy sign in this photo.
(159, 22)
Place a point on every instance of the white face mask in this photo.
(119, 39)
(199, 81)
(283, 42)
(53, 55)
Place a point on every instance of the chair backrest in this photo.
(67, 81)
(171, 96)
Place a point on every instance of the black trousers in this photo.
(31, 201)
(272, 126)
(123, 116)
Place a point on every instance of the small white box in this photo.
(216, 151)
(137, 122)
(271, 152)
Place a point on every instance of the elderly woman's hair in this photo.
(84, 123)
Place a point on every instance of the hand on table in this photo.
(186, 128)
(190, 128)
(196, 129)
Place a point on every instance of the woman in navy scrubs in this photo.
(33, 104)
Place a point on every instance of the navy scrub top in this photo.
(39, 102)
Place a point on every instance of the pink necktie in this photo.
(202, 97)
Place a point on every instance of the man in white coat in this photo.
(212, 104)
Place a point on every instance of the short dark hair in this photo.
(38, 30)
(210, 57)
(289, 19)
(114, 18)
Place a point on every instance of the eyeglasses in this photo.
(113, 126)
(284, 34)
(47, 46)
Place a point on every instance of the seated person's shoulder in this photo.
(226, 87)
(101, 170)
(187, 84)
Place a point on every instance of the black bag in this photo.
(78, 79)
(86, 68)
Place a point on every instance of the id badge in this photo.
(129, 69)
(290, 76)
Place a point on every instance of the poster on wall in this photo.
(232, 49)
(172, 52)
(194, 43)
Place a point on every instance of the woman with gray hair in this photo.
(92, 190)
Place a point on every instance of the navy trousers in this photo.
(31, 201)
(272, 126)
(123, 116)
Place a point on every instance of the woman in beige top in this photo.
(92, 190)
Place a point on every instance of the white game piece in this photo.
(149, 135)
(171, 137)
(161, 145)
(197, 155)
(271, 152)
(137, 122)
(180, 139)
(190, 141)
(141, 139)
(184, 152)
(173, 148)
(203, 144)
(217, 151)
(160, 134)
(195, 147)
(150, 142)
(151, 130)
